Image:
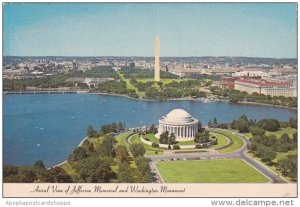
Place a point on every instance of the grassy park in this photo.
(122, 137)
(278, 134)
(236, 142)
(209, 171)
(222, 140)
(149, 149)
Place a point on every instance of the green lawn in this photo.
(222, 141)
(280, 132)
(164, 80)
(130, 86)
(149, 149)
(121, 138)
(272, 167)
(187, 143)
(283, 155)
(152, 138)
(209, 171)
(237, 142)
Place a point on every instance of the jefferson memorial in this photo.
(179, 122)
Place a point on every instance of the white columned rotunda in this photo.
(179, 122)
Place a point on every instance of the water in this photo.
(48, 127)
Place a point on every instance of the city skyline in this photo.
(230, 29)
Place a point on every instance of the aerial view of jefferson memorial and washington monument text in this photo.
(149, 93)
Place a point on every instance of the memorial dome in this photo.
(178, 115)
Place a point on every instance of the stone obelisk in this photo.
(157, 66)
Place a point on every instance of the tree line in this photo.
(92, 162)
(266, 146)
(238, 96)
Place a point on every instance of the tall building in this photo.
(266, 87)
(157, 66)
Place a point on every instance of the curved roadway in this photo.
(213, 154)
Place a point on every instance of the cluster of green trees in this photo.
(175, 89)
(213, 123)
(244, 125)
(93, 162)
(170, 92)
(116, 87)
(54, 81)
(105, 129)
(166, 138)
(137, 73)
(266, 147)
(236, 96)
(34, 174)
(97, 72)
(152, 129)
(288, 166)
(128, 174)
(59, 79)
(141, 86)
(202, 137)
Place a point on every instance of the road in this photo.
(241, 153)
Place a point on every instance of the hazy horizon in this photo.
(256, 30)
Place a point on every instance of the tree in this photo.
(176, 147)
(293, 122)
(137, 149)
(257, 131)
(223, 126)
(233, 124)
(171, 139)
(78, 154)
(295, 137)
(209, 124)
(95, 169)
(125, 173)
(107, 146)
(243, 126)
(284, 144)
(39, 164)
(202, 137)
(27, 175)
(200, 127)
(122, 154)
(10, 170)
(288, 166)
(269, 124)
(163, 137)
(121, 126)
(88, 147)
(90, 131)
(267, 155)
(143, 168)
(215, 122)
(58, 175)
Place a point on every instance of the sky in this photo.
(119, 29)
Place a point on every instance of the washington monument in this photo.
(157, 67)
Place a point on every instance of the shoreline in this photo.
(65, 161)
(139, 99)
